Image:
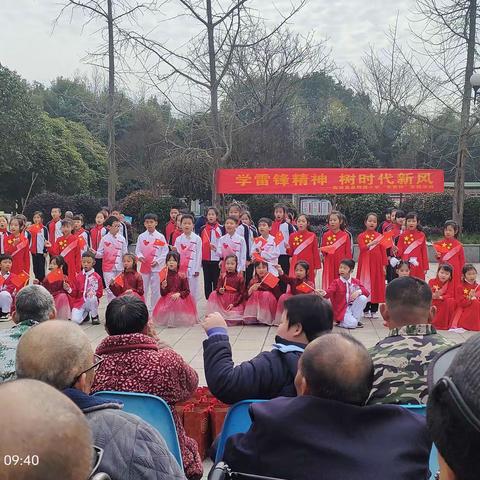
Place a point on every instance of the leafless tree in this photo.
(434, 77)
(204, 61)
(111, 15)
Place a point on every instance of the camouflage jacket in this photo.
(8, 348)
(401, 362)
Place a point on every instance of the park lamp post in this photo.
(475, 83)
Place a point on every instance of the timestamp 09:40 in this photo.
(14, 460)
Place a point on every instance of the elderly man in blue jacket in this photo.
(269, 374)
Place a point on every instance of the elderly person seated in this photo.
(33, 304)
(327, 432)
(43, 435)
(60, 354)
(453, 411)
(134, 362)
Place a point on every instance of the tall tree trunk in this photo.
(112, 164)
(214, 116)
(459, 192)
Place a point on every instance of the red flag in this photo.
(270, 280)
(228, 288)
(20, 280)
(441, 246)
(328, 249)
(387, 240)
(159, 243)
(163, 274)
(35, 228)
(119, 280)
(278, 238)
(81, 243)
(55, 275)
(261, 241)
(305, 288)
(257, 257)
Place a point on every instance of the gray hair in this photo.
(34, 303)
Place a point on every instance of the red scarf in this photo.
(96, 236)
(206, 236)
(276, 227)
(51, 230)
(34, 230)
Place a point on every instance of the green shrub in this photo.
(471, 215)
(88, 206)
(433, 209)
(44, 202)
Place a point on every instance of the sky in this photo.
(31, 46)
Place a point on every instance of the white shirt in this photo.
(235, 244)
(190, 246)
(285, 230)
(118, 240)
(160, 252)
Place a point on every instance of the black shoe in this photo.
(95, 320)
(360, 325)
(4, 316)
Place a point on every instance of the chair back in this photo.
(433, 462)
(154, 410)
(237, 421)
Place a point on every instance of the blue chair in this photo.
(237, 421)
(433, 462)
(154, 410)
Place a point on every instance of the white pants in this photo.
(151, 288)
(108, 277)
(354, 312)
(194, 285)
(5, 301)
(90, 306)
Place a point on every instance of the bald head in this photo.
(38, 420)
(336, 367)
(54, 352)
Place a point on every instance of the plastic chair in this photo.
(154, 410)
(237, 421)
(433, 461)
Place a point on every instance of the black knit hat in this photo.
(453, 410)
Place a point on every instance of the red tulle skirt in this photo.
(445, 311)
(279, 312)
(62, 306)
(175, 313)
(468, 317)
(260, 308)
(219, 303)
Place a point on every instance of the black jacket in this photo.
(309, 438)
(268, 375)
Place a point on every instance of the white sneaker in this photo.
(374, 315)
(367, 315)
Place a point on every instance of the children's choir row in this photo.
(400, 244)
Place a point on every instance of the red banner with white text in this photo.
(329, 180)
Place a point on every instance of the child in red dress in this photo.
(450, 250)
(130, 281)
(298, 285)
(443, 295)
(467, 314)
(372, 264)
(261, 305)
(3, 232)
(303, 245)
(175, 307)
(336, 246)
(17, 246)
(348, 296)
(55, 283)
(412, 246)
(229, 296)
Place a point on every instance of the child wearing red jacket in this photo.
(130, 281)
(86, 292)
(7, 287)
(17, 246)
(467, 314)
(348, 296)
(443, 295)
(55, 282)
